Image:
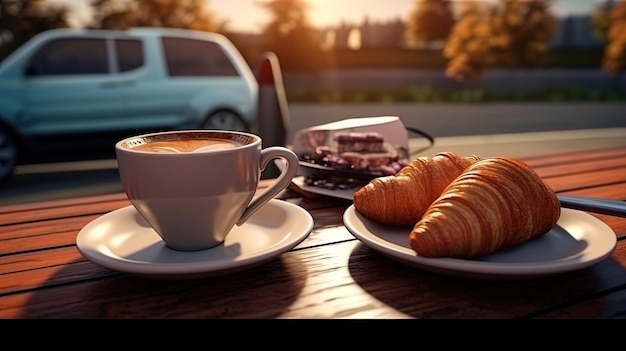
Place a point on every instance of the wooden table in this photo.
(329, 275)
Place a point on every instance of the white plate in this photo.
(577, 241)
(122, 240)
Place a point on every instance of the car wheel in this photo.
(225, 120)
(8, 154)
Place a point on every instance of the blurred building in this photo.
(572, 32)
(367, 35)
(575, 32)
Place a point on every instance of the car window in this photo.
(130, 54)
(190, 57)
(69, 56)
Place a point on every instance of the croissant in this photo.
(402, 199)
(494, 204)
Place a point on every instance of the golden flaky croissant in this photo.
(402, 199)
(494, 204)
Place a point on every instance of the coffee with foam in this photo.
(194, 186)
(187, 145)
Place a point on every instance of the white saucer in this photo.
(122, 240)
(578, 240)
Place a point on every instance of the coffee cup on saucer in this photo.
(194, 186)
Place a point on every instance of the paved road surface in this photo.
(483, 129)
(443, 120)
(505, 129)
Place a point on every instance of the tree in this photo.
(122, 14)
(512, 33)
(430, 21)
(600, 19)
(20, 20)
(614, 60)
(288, 34)
(188, 14)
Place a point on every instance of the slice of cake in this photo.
(369, 142)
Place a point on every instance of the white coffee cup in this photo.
(194, 186)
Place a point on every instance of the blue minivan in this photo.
(71, 93)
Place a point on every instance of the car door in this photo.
(70, 88)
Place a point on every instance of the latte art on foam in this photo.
(187, 145)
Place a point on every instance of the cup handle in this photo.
(281, 182)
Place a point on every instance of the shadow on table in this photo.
(423, 294)
(248, 294)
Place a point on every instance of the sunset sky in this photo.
(247, 15)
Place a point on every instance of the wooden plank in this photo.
(55, 250)
(345, 280)
(7, 209)
(573, 157)
(599, 164)
(594, 179)
(610, 191)
(38, 259)
(77, 206)
(33, 229)
(329, 275)
(64, 211)
(41, 242)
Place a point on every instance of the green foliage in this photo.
(512, 34)
(433, 59)
(433, 95)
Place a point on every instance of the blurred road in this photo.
(445, 120)
(507, 129)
